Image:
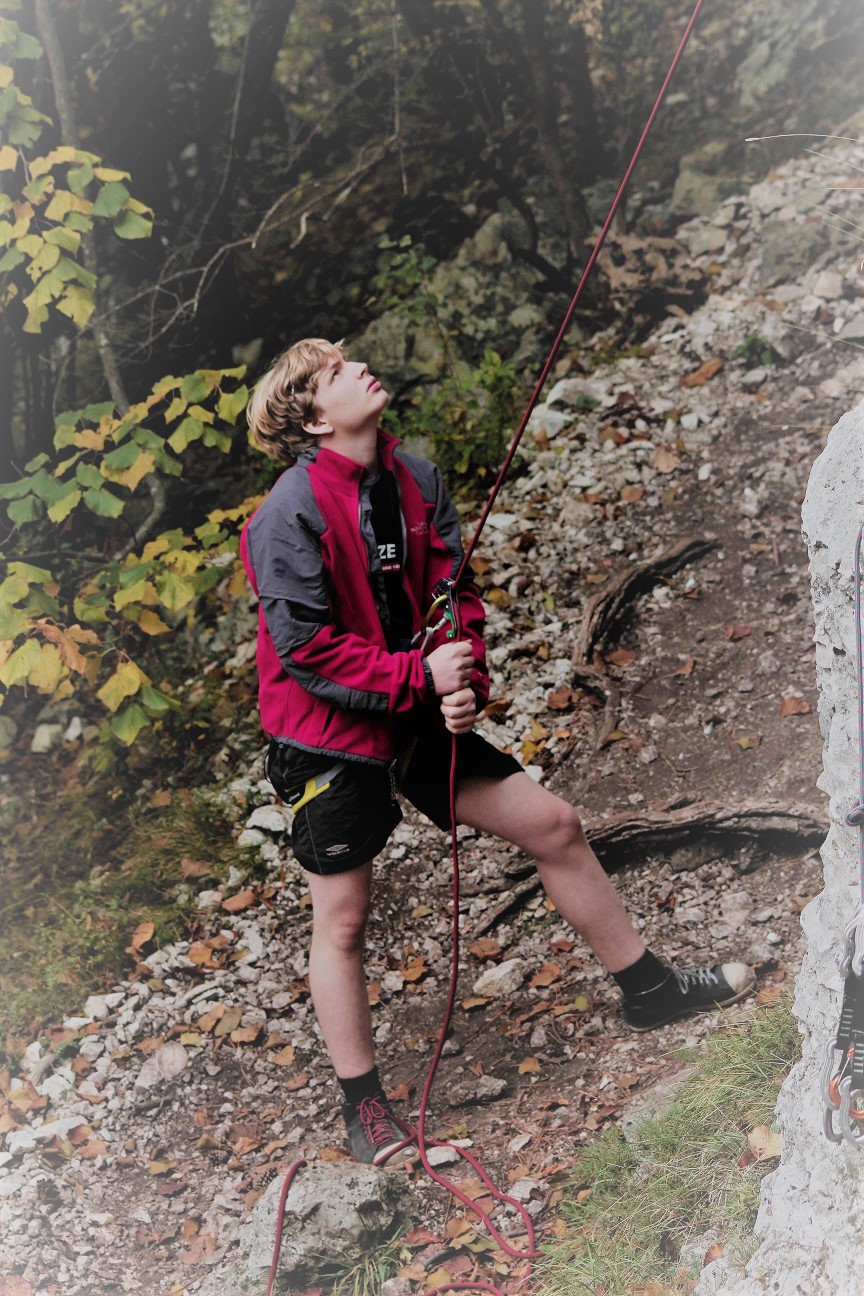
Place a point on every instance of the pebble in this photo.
(502, 979)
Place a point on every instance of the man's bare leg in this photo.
(548, 828)
(337, 978)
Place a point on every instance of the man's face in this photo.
(348, 397)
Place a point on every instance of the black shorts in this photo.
(345, 810)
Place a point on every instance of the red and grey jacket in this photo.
(326, 680)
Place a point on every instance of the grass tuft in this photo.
(677, 1175)
(72, 902)
(363, 1276)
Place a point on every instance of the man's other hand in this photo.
(452, 666)
(459, 711)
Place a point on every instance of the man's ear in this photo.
(319, 428)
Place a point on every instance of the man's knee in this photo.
(342, 926)
(561, 828)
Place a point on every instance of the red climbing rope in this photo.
(530, 1254)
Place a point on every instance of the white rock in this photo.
(20, 1140)
(828, 285)
(209, 899)
(502, 979)
(814, 1193)
(74, 730)
(166, 1063)
(270, 818)
(8, 730)
(12, 1184)
(100, 1006)
(440, 1156)
(251, 837)
(45, 737)
(54, 1087)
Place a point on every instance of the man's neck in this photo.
(361, 446)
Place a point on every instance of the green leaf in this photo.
(13, 621)
(174, 591)
(129, 722)
(92, 610)
(95, 413)
(89, 475)
(232, 404)
(65, 238)
(129, 225)
(15, 489)
(188, 431)
(61, 509)
(110, 199)
(27, 47)
(78, 221)
(38, 189)
(103, 503)
(217, 440)
(157, 703)
(123, 457)
(25, 510)
(78, 178)
(196, 387)
(26, 571)
(11, 259)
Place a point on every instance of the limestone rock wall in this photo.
(811, 1217)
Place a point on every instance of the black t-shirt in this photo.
(387, 525)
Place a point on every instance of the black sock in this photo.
(356, 1088)
(647, 973)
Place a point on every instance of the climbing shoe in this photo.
(374, 1132)
(687, 990)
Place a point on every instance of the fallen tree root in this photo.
(629, 837)
(604, 614)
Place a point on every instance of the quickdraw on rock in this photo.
(843, 1070)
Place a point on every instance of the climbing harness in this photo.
(445, 595)
(843, 1069)
(312, 788)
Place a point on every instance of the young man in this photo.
(344, 555)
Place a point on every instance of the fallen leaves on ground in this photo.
(702, 375)
(791, 706)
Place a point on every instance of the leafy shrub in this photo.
(466, 414)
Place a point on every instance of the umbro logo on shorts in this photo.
(339, 849)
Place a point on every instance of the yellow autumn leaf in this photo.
(8, 158)
(133, 593)
(63, 153)
(528, 1064)
(182, 561)
(155, 547)
(46, 674)
(144, 464)
(151, 623)
(89, 439)
(126, 680)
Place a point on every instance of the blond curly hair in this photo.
(284, 398)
